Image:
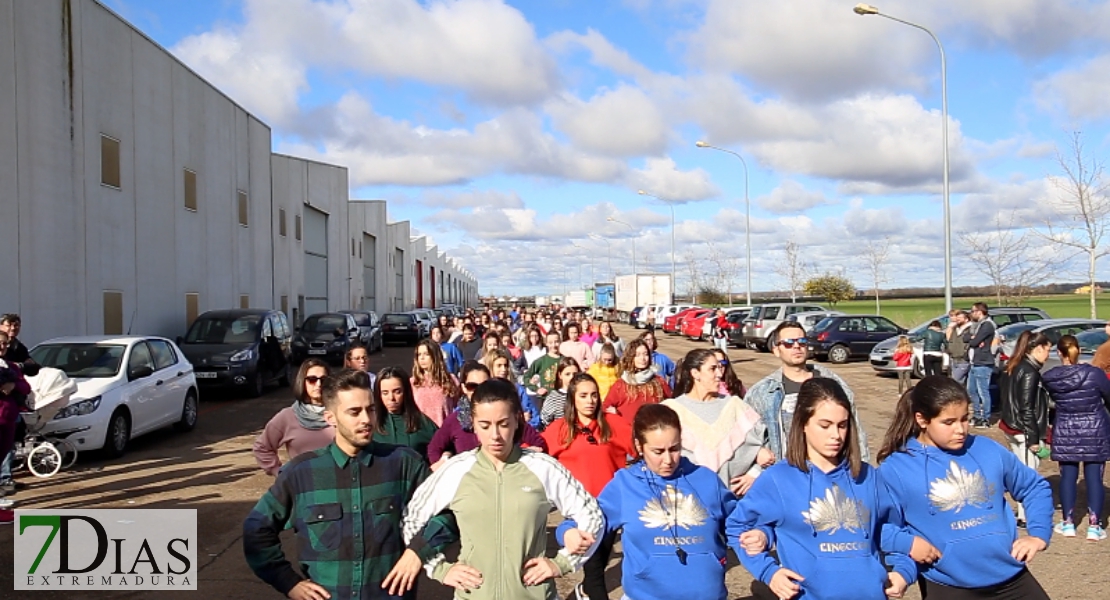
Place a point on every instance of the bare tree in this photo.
(876, 254)
(693, 268)
(792, 268)
(727, 266)
(1009, 259)
(1082, 208)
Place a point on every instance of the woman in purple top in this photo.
(457, 433)
(14, 390)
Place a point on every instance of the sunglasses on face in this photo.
(471, 386)
(724, 363)
(313, 379)
(794, 342)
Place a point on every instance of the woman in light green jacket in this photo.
(501, 496)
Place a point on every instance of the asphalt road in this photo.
(212, 470)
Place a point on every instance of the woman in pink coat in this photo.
(298, 428)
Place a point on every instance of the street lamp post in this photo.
(608, 253)
(867, 9)
(747, 216)
(671, 205)
(611, 219)
(581, 247)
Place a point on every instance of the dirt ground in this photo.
(211, 469)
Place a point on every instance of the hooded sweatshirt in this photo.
(826, 527)
(660, 515)
(956, 501)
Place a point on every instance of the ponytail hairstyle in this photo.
(694, 359)
(652, 417)
(1025, 344)
(570, 411)
(1069, 346)
(812, 393)
(928, 399)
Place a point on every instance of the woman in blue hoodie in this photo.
(950, 488)
(672, 513)
(825, 508)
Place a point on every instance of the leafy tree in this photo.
(830, 286)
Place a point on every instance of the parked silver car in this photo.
(766, 317)
(1054, 329)
(808, 319)
(1089, 341)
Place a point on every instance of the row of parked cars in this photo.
(131, 385)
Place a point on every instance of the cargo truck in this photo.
(640, 290)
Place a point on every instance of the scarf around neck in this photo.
(639, 378)
(308, 417)
(465, 418)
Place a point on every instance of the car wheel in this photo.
(257, 385)
(839, 355)
(918, 372)
(188, 413)
(119, 434)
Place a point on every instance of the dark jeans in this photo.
(934, 365)
(1022, 586)
(1069, 487)
(593, 572)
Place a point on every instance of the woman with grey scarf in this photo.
(298, 428)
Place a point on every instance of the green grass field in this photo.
(914, 311)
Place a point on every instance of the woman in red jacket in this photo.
(637, 385)
(593, 449)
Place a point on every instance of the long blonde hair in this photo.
(904, 344)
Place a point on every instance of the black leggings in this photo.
(1022, 586)
(933, 365)
(593, 572)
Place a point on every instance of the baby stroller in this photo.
(45, 455)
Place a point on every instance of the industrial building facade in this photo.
(136, 195)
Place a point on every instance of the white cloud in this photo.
(621, 122)
(523, 224)
(473, 199)
(791, 197)
(1081, 92)
(661, 178)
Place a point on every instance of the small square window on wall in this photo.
(244, 301)
(190, 189)
(297, 227)
(109, 161)
(113, 312)
(192, 308)
(244, 218)
(281, 222)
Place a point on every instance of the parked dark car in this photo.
(370, 328)
(327, 336)
(634, 316)
(843, 337)
(734, 327)
(242, 349)
(401, 327)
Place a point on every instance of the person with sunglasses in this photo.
(456, 435)
(593, 449)
(298, 428)
(720, 431)
(730, 382)
(775, 396)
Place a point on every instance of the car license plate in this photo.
(317, 351)
(205, 374)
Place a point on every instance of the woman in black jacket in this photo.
(1025, 401)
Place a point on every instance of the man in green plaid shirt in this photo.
(345, 502)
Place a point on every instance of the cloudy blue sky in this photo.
(508, 132)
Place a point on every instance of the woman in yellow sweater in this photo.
(605, 370)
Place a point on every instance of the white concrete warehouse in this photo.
(136, 195)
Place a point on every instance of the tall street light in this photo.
(608, 254)
(747, 215)
(591, 255)
(671, 205)
(867, 9)
(612, 220)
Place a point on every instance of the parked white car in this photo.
(126, 386)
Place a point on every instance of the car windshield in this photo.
(397, 319)
(81, 360)
(361, 319)
(224, 330)
(1090, 340)
(1014, 329)
(324, 324)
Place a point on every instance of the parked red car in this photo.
(694, 324)
(673, 323)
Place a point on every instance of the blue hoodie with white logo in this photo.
(673, 531)
(955, 500)
(827, 529)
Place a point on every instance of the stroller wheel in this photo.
(44, 460)
(68, 451)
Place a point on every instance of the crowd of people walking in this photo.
(509, 415)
